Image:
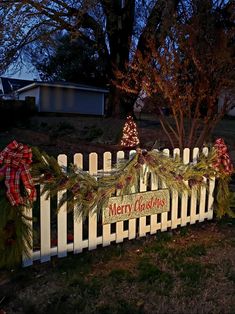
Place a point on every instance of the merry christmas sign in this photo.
(136, 205)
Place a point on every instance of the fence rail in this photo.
(89, 233)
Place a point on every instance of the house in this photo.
(8, 86)
(63, 97)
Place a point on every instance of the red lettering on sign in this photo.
(112, 209)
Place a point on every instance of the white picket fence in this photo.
(184, 210)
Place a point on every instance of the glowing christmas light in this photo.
(130, 133)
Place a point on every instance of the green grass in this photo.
(80, 264)
(163, 237)
(116, 250)
(194, 250)
(153, 275)
(192, 273)
(159, 243)
(184, 231)
(58, 304)
(121, 306)
(231, 276)
(91, 133)
(118, 275)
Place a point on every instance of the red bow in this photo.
(223, 162)
(16, 159)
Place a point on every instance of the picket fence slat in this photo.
(62, 215)
(211, 199)
(92, 219)
(202, 206)
(184, 209)
(164, 216)
(184, 201)
(120, 233)
(27, 260)
(194, 192)
(175, 198)
(132, 222)
(154, 226)
(78, 244)
(143, 229)
(107, 164)
(45, 232)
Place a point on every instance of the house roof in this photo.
(10, 85)
(34, 84)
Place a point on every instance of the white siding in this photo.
(66, 100)
(56, 99)
(34, 92)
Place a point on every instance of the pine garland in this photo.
(223, 198)
(84, 193)
(15, 232)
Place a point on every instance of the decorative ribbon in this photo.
(16, 159)
(223, 162)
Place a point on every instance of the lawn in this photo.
(73, 134)
(188, 270)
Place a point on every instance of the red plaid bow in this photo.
(16, 158)
(223, 162)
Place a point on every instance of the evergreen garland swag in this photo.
(84, 193)
(15, 232)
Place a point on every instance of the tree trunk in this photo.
(120, 23)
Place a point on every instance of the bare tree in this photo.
(188, 72)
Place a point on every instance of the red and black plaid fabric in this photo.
(16, 159)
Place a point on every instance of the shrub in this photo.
(13, 112)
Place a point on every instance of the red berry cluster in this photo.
(48, 177)
(223, 162)
(63, 181)
(76, 188)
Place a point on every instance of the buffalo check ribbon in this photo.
(16, 159)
